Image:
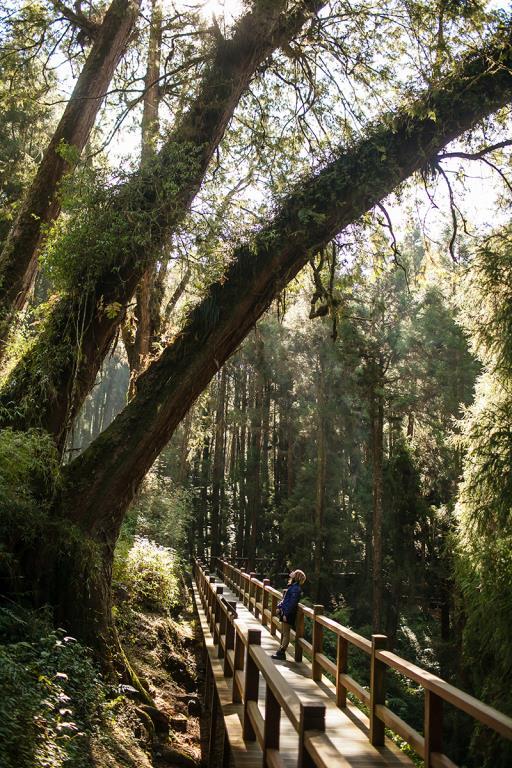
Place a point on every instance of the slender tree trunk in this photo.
(254, 471)
(321, 472)
(184, 464)
(218, 466)
(290, 460)
(242, 469)
(377, 454)
(18, 260)
(204, 514)
(149, 293)
(197, 523)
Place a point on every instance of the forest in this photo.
(255, 304)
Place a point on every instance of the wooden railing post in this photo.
(252, 680)
(208, 682)
(252, 586)
(256, 601)
(264, 602)
(211, 580)
(215, 613)
(238, 665)
(230, 640)
(272, 723)
(341, 669)
(214, 722)
(312, 718)
(245, 589)
(299, 632)
(318, 639)
(377, 690)
(223, 621)
(273, 611)
(433, 726)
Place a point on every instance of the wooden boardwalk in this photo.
(346, 728)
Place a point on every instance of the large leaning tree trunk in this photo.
(46, 390)
(18, 259)
(100, 484)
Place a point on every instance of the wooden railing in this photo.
(244, 660)
(261, 598)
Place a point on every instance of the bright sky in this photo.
(221, 9)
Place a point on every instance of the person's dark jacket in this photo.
(290, 602)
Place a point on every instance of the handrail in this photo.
(244, 660)
(257, 593)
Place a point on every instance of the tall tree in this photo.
(149, 293)
(100, 484)
(18, 259)
(484, 551)
(118, 240)
(218, 324)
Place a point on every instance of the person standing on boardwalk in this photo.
(287, 610)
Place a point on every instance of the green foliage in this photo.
(161, 511)
(29, 479)
(29, 468)
(25, 114)
(487, 317)
(484, 542)
(32, 535)
(100, 222)
(52, 696)
(112, 221)
(148, 572)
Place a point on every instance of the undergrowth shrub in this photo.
(29, 479)
(148, 572)
(52, 698)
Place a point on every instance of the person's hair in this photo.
(298, 575)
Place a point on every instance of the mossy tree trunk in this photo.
(151, 206)
(18, 259)
(101, 483)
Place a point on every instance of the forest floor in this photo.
(57, 710)
(165, 653)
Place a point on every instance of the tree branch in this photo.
(355, 181)
(476, 155)
(158, 198)
(78, 19)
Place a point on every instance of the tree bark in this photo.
(321, 473)
(254, 470)
(205, 473)
(159, 195)
(242, 468)
(377, 456)
(150, 290)
(218, 466)
(100, 484)
(184, 464)
(18, 260)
